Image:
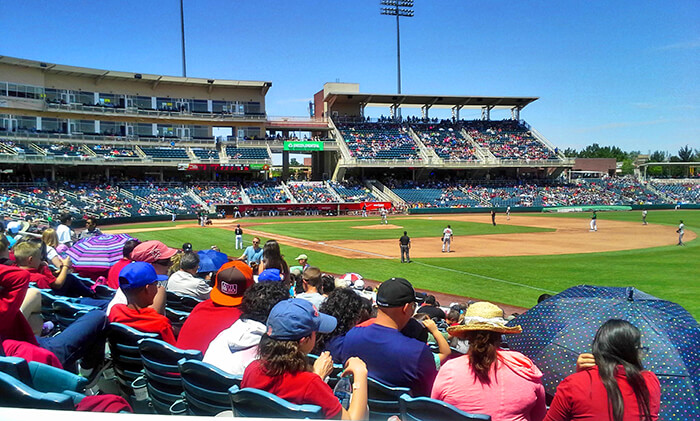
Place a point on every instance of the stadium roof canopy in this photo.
(60, 69)
(373, 100)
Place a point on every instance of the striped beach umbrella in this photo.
(99, 252)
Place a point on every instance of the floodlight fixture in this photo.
(398, 8)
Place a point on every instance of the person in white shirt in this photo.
(185, 281)
(681, 231)
(312, 283)
(446, 239)
(236, 347)
(65, 234)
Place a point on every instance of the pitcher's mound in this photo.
(378, 227)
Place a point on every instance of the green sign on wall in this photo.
(310, 146)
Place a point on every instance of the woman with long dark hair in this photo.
(489, 380)
(272, 259)
(616, 388)
(283, 369)
(347, 307)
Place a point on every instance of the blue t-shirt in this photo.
(335, 347)
(252, 255)
(392, 358)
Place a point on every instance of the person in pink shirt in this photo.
(488, 380)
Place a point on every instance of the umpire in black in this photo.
(405, 244)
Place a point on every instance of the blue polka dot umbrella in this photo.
(560, 328)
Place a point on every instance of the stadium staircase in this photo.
(91, 200)
(198, 199)
(346, 156)
(140, 153)
(428, 155)
(484, 154)
(384, 193)
(6, 150)
(289, 194)
(89, 152)
(537, 135)
(333, 192)
(192, 155)
(244, 196)
(74, 200)
(481, 201)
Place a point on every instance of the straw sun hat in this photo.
(484, 316)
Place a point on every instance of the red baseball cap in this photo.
(152, 251)
(231, 281)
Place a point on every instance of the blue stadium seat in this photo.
(249, 402)
(206, 387)
(160, 365)
(14, 393)
(383, 400)
(427, 409)
(42, 377)
(123, 344)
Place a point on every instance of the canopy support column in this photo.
(486, 112)
(515, 113)
(424, 110)
(455, 112)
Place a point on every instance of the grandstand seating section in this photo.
(114, 152)
(218, 194)
(353, 192)
(106, 201)
(507, 139)
(206, 154)
(379, 141)
(685, 192)
(311, 192)
(267, 193)
(246, 153)
(167, 153)
(446, 140)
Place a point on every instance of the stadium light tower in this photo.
(398, 8)
(182, 31)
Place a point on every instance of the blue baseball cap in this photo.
(293, 319)
(137, 275)
(270, 275)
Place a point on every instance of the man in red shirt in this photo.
(220, 311)
(138, 281)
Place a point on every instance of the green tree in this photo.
(294, 163)
(627, 167)
(657, 156)
(685, 154)
(570, 153)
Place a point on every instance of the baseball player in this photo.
(508, 213)
(382, 212)
(446, 239)
(364, 210)
(644, 217)
(594, 221)
(239, 237)
(681, 231)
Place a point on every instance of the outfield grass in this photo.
(330, 229)
(669, 272)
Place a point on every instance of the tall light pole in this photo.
(398, 8)
(182, 31)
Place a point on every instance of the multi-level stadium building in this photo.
(133, 133)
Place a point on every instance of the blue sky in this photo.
(618, 72)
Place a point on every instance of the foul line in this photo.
(476, 275)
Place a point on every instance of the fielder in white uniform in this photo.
(508, 213)
(680, 231)
(446, 239)
(383, 213)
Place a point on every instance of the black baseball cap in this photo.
(395, 292)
